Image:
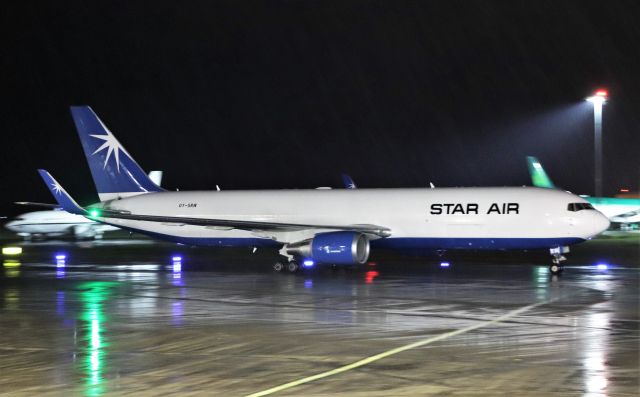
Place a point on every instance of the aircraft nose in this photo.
(600, 223)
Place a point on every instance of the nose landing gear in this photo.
(556, 268)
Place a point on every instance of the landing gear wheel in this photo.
(292, 266)
(555, 269)
(278, 266)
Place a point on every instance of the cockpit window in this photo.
(574, 207)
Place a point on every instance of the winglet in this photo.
(348, 182)
(62, 197)
(539, 177)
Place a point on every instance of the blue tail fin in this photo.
(115, 173)
(348, 182)
(62, 197)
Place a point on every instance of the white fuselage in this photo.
(467, 218)
(55, 223)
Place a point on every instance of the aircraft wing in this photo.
(68, 204)
(235, 224)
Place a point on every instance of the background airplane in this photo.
(56, 223)
(625, 211)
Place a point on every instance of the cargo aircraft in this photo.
(333, 226)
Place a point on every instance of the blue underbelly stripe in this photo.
(473, 243)
(399, 243)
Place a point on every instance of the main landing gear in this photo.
(291, 266)
(556, 267)
(289, 263)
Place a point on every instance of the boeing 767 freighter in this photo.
(326, 226)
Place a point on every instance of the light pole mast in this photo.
(598, 99)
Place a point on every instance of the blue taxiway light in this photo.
(61, 262)
(602, 266)
(445, 264)
(176, 262)
(308, 263)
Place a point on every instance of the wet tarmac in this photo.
(129, 317)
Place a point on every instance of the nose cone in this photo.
(600, 223)
(588, 224)
(10, 225)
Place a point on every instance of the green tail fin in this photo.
(539, 177)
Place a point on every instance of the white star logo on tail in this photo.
(56, 187)
(112, 145)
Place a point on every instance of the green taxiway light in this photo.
(94, 213)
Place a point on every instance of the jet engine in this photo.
(341, 248)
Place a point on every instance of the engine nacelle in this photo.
(342, 248)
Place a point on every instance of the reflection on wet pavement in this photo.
(160, 327)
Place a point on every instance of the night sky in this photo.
(271, 95)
